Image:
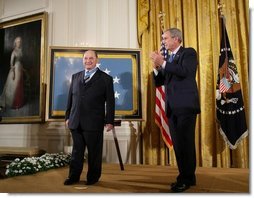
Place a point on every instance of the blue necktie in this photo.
(88, 73)
(171, 58)
(87, 76)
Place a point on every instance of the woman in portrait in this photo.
(13, 92)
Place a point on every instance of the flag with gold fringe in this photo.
(230, 108)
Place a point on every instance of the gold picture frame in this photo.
(122, 64)
(22, 69)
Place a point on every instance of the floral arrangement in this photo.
(31, 165)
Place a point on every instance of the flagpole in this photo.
(161, 18)
(223, 25)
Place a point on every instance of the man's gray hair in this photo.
(175, 32)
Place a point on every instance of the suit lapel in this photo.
(81, 78)
(94, 78)
(176, 58)
(178, 53)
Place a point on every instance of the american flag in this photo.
(224, 85)
(160, 115)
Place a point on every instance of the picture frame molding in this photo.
(16, 23)
(102, 53)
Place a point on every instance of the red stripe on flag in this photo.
(160, 115)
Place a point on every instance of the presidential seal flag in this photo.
(229, 102)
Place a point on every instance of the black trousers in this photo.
(93, 141)
(182, 130)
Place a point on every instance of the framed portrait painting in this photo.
(122, 64)
(22, 69)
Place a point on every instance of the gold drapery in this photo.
(199, 21)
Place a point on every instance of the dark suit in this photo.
(87, 114)
(182, 106)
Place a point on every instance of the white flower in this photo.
(30, 165)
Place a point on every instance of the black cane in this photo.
(117, 149)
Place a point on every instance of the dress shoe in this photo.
(91, 182)
(174, 183)
(180, 187)
(70, 181)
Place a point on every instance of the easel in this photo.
(117, 123)
(1, 109)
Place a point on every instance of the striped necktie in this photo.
(87, 76)
(89, 73)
